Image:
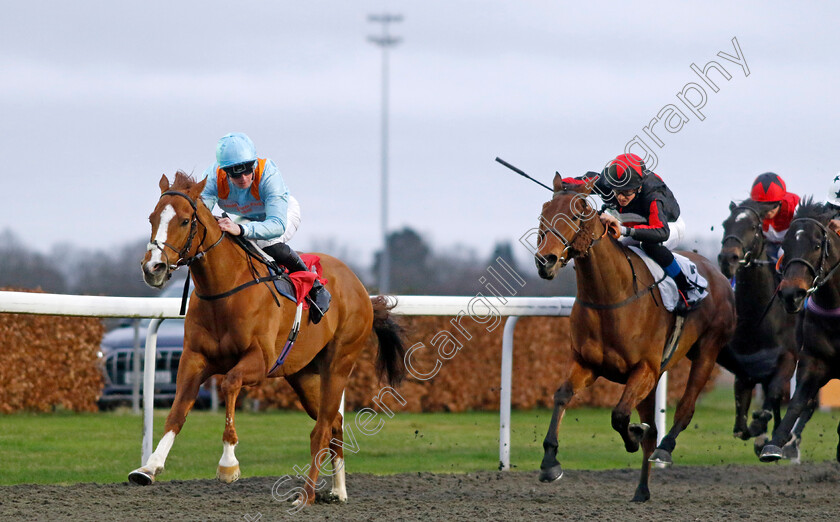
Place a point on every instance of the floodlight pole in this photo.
(385, 41)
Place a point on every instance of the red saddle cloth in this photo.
(303, 281)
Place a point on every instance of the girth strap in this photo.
(635, 296)
(267, 279)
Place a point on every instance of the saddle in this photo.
(667, 287)
(293, 286)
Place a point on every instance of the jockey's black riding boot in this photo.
(319, 296)
(285, 256)
(684, 286)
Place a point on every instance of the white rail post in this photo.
(661, 405)
(214, 395)
(149, 389)
(504, 393)
(135, 368)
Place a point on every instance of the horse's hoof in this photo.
(336, 497)
(337, 493)
(638, 431)
(635, 434)
(551, 474)
(661, 457)
(790, 451)
(642, 494)
(301, 502)
(759, 444)
(771, 453)
(228, 474)
(141, 477)
(742, 434)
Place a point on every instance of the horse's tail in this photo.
(390, 359)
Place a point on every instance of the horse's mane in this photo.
(183, 181)
(808, 208)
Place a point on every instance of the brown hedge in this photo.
(470, 380)
(48, 362)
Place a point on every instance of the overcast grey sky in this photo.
(98, 99)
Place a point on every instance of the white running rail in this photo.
(167, 308)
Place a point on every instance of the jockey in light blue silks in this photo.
(252, 189)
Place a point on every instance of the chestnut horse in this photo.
(810, 267)
(619, 328)
(763, 350)
(241, 335)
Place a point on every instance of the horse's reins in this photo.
(819, 278)
(197, 257)
(594, 240)
(182, 260)
(749, 258)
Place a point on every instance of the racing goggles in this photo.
(240, 169)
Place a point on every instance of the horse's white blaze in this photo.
(166, 216)
(158, 458)
(339, 488)
(799, 234)
(742, 216)
(228, 458)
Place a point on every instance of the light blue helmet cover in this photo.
(235, 148)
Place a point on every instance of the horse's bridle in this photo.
(637, 293)
(757, 244)
(562, 259)
(183, 260)
(821, 275)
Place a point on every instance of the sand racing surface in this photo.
(760, 492)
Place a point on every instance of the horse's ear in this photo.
(732, 206)
(164, 184)
(559, 186)
(199, 187)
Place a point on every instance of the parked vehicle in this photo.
(117, 358)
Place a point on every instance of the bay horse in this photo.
(809, 268)
(241, 335)
(763, 350)
(619, 328)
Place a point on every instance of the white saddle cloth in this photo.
(668, 288)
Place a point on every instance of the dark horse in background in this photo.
(763, 350)
(619, 328)
(810, 268)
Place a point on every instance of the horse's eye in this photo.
(185, 222)
(817, 246)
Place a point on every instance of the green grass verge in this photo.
(67, 448)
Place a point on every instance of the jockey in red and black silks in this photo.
(647, 212)
(770, 188)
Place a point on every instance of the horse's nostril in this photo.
(158, 267)
(792, 293)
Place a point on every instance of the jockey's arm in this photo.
(274, 224)
(656, 230)
(210, 194)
